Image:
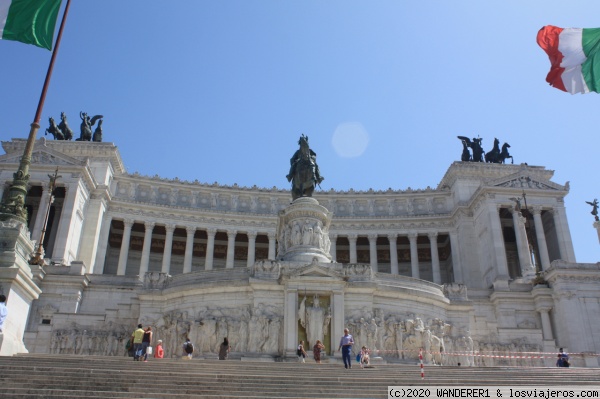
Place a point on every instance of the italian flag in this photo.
(29, 21)
(574, 58)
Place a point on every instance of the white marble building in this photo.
(450, 269)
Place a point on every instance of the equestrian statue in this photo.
(304, 171)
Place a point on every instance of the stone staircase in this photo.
(60, 376)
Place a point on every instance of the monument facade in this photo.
(461, 270)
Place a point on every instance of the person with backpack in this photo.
(188, 348)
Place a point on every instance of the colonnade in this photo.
(393, 252)
(168, 246)
(211, 232)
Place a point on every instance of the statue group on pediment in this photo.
(62, 131)
(477, 154)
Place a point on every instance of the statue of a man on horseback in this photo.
(304, 171)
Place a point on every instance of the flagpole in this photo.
(13, 205)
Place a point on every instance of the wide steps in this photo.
(54, 376)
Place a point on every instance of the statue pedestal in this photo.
(303, 232)
(16, 283)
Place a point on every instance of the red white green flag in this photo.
(29, 21)
(574, 57)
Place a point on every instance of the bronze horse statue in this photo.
(492, 156)
(54, 130)
(497, 155)
(504, 154)
(304, 171)
(64, 127)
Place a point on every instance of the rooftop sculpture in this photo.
(62, 131)
(496, 155)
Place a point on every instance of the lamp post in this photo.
(38, 256)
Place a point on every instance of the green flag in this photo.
(29, 21)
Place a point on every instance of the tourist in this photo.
(188, 349)
(563, 359)
(146, 342)
(300, 352)
(159, 352)
(346, 346)
(364, 357)
(136, 338)
(3, 312)
(224, 349)
(317, 348)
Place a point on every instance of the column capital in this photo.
(231, 233)
(536, 210)
(372, 236)
(149, 225)
(170, 227)
(271, 235)
(211, 231)
(128, 223)
(412, 235)
(190, 230)
(432, 235)
(333, 236)
(252, 234)
(392, 236)
(352, 237)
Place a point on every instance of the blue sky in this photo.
(221, 90)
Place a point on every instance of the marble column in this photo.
(541, 237)
(166, 261)
(36, 231)
(456, 258)
(124, 253)
(496, 246)
(145, 260)
(597, 227)
(189, 249)
(210, 249)
(546, 325)
(98, 265)
(290, 329)
(272, 246)
(67, 229)
(230, 248)
(393, 239)
(522, 244)
(414, 255)
(565, 244)
(435, 258)
(337, 321)
(251, 248)
(373, 252)
(333, 247)
(352, 240)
